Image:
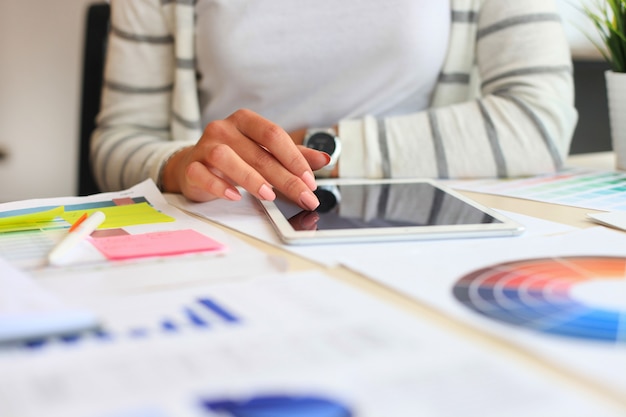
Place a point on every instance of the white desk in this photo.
(432, 317)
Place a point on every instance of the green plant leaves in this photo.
(609, 19)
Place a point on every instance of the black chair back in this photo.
(96, 32)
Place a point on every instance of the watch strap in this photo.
(326, 171)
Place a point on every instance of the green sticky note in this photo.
(31, 221)
(124, 215)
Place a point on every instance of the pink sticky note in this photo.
(165, 243)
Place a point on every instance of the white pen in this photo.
(74, 237)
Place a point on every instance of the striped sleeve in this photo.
(137, 127)
(503, 106)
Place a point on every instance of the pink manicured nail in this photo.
(309, 180)
(267, 193)
(232, 194)
(309, 200)
(309, 222)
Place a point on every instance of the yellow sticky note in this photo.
(124, 215)
(30, 221)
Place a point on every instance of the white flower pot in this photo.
(616, 94)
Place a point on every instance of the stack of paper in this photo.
(28, 312)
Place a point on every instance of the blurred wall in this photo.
(578, 28)
(40, 53)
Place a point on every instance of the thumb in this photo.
(316, 159)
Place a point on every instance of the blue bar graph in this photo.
(35, 344)
(201, 314)
(217, 309)
(103, 335)
(169, 326)
(195, 319)
(71, 338)
(139, 333)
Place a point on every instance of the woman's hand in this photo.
(246, 150)
(298, 138)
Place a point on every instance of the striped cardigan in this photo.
(503, 105)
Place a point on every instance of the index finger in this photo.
(278, 142)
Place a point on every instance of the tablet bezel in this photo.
(290, 236)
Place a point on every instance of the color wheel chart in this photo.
(578, 297)
(202, 314)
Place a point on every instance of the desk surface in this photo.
(563, 214)
(568, 215)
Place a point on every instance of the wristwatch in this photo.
(325, 140)
(329, 197)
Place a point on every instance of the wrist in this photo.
(325, 140)
(169, 180)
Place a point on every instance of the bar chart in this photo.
(201, 314)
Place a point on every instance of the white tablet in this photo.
(385, 210)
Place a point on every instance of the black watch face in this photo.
(321, 141)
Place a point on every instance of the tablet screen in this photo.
(385, 210)
(384, 205)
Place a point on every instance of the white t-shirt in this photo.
(310, 63)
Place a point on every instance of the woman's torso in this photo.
(313, 62)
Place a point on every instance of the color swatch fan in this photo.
(579, 297)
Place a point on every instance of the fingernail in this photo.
(327, 158)
(232, 194)
(309, 200)
(266, 193)
(310, 221)
(309, 180)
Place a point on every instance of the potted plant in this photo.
(609, 19)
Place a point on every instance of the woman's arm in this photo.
(522, 123)
(133, 133)
(148, 126)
